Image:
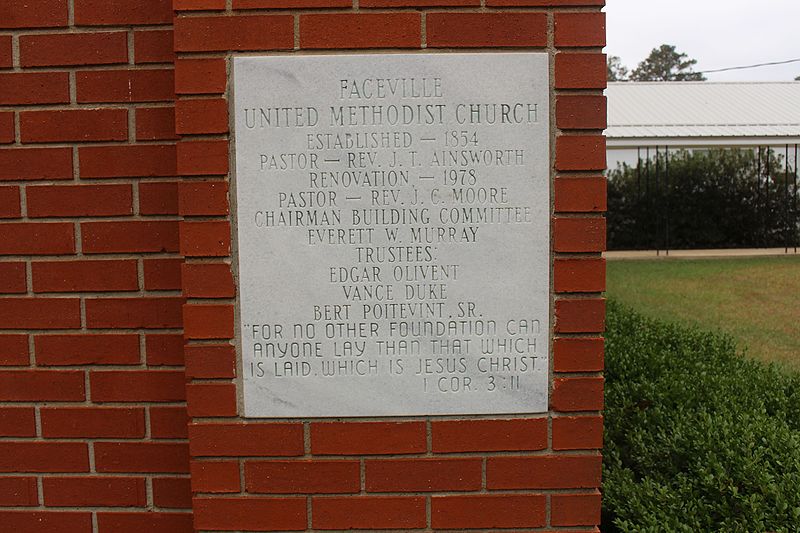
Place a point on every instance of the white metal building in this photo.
(699, 115)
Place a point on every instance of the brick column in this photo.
(537, 472)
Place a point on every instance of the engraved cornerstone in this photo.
(393, 217)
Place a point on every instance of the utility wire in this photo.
(750, 66)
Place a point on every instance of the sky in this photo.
(718, 33)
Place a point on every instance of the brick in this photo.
(94, 491)
(198, 158)
(159, 522)
(74, 125)
(423, 475)
(41, 385)
(579, 275)
(7, 128)
(583, 234)
(27, 456)
(22, 88)
(14, 350)
(244, 32)
(169, 422)
(368, 512)
(37, 238)
(418, 3)
(580, 29)
(201, 116)
(137, 386)
(581, 152)
(210, 361)
(63, 49)
(40, 313)
(302, 477)
(211, 399)
(127, 161)
(205, 239)
(130, 236)
(290, 4)
(581, 112)
(576, 195)
(85, 276)
(580, 71)
(18, 492)
(87, 349)
(153, 46)
(577, 394)
(360, 30)
(172, 493)
(489, 435)
(10, 206)
(217, 476)
(583, 315)
(543, 472)
(208, 321)
(164, 350)
(35, 163)
(93, 422)
(208, 280)
(198, 198)
(123, 86)
(158, 198)
(255, 439)
(488, 511)
(367, 438)
(33, 14)
(162, 274)
(12, 278)
(46, 521)
(79, 200)
(578, 354)
(134, 313)
(155, 123)
(575, 509)
(156, 457)
(200, 76)
(122, 12)
(250, 514)
(578, 433)
(17, 422)
(486, 29)
(198, 5)
(6, 53)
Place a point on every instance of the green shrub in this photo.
(722, 198)
(698, 438)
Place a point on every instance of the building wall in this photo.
(92, 395)
(109, 225)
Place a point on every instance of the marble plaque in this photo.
(393, 217)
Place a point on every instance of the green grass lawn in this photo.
(757, 300)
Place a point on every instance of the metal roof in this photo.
(703, 109)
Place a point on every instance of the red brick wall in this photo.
(92, 396)
(94, 227)
(425, 473)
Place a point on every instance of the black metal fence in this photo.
(717, 198)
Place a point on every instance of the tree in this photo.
(616, 70)
(797, 78)
(666, 64)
